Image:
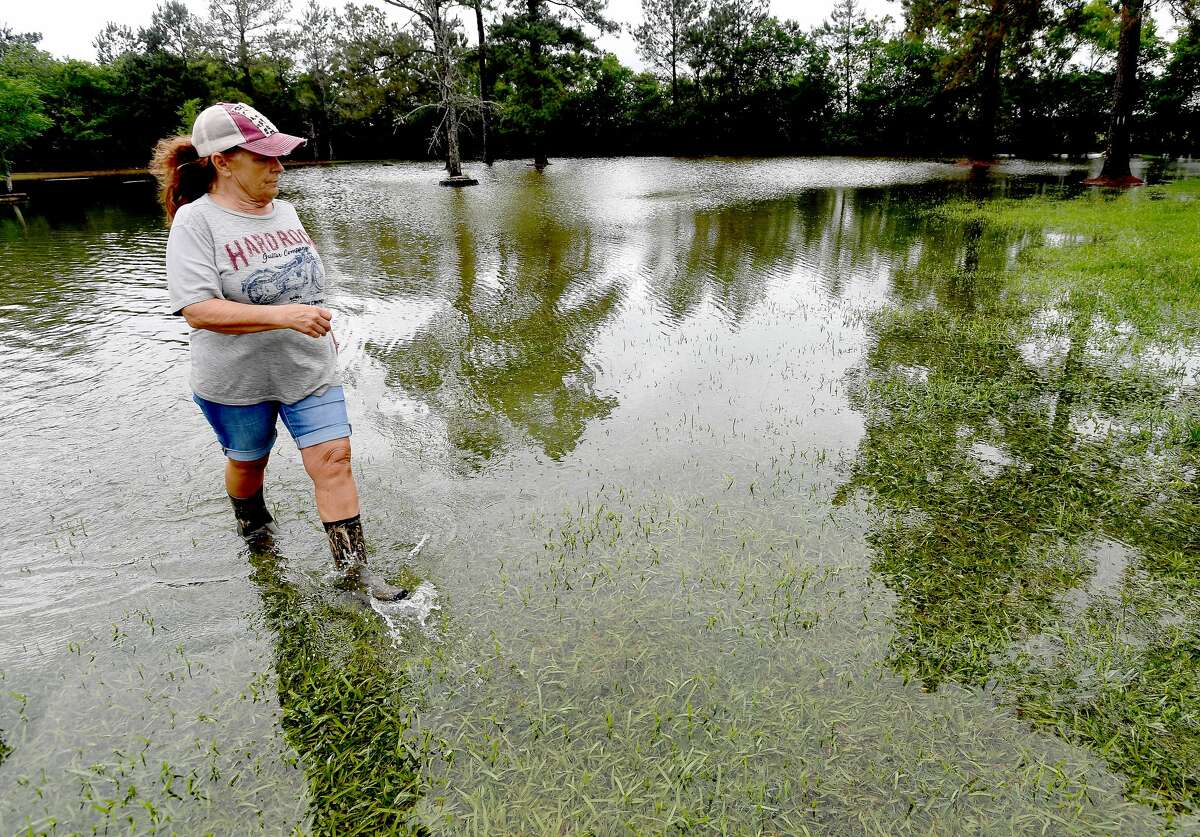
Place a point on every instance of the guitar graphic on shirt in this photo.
(298, 278)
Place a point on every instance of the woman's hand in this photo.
(307, 319)
(226, 317)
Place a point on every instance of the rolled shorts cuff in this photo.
(325, 434)
(250, 455)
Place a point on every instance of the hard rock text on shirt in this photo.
(254, 245)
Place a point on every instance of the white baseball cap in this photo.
(224, 126)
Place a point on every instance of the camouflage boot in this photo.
(350, 557)
(254, 522)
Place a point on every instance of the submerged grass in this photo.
(138, 734)
(1032, 447)
(146, 736)
(709, 668)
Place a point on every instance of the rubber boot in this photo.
(349, 550)
(254, 522)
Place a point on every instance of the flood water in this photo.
(684, 569)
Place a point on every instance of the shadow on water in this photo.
(1032, 512)
(344, 706)
(509, 357)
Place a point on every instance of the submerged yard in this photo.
(865, 502)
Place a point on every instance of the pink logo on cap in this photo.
(252, 124)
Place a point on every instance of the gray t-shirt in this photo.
(217, 253)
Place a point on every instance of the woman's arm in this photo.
(227, 317)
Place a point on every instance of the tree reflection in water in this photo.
(512, 359)
(733, 253)
(1004, 442)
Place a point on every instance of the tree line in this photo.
(948, 77)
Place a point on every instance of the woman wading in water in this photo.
(245, 275)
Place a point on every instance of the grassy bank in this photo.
(1134, 255)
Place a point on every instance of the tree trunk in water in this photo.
(248, 81)
(984, 142)
(453, 162)
(1116, 156)
(484, 87)
(326, 122)
(846, 72)
(674, 56)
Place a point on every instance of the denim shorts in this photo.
(247, 432)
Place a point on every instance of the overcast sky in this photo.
(68, 26)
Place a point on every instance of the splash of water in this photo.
(416, 608)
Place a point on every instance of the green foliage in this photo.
(244, 33)
(317, 84)
(982, 41)
(761, 84)
(902, 104)
(602, 104)
(371, 73)
(1028, 77)
(188, 112)
(540, 51)
(665, 35)
(22, 117)
(855, 43)
(1175, 101)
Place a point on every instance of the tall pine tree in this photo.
(541, 40)
(978, 34)
(239, 30)
(662, 37)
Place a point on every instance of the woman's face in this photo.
(256, 177)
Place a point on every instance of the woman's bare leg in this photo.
(244, 483)
(328, 464)
(244, 479)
